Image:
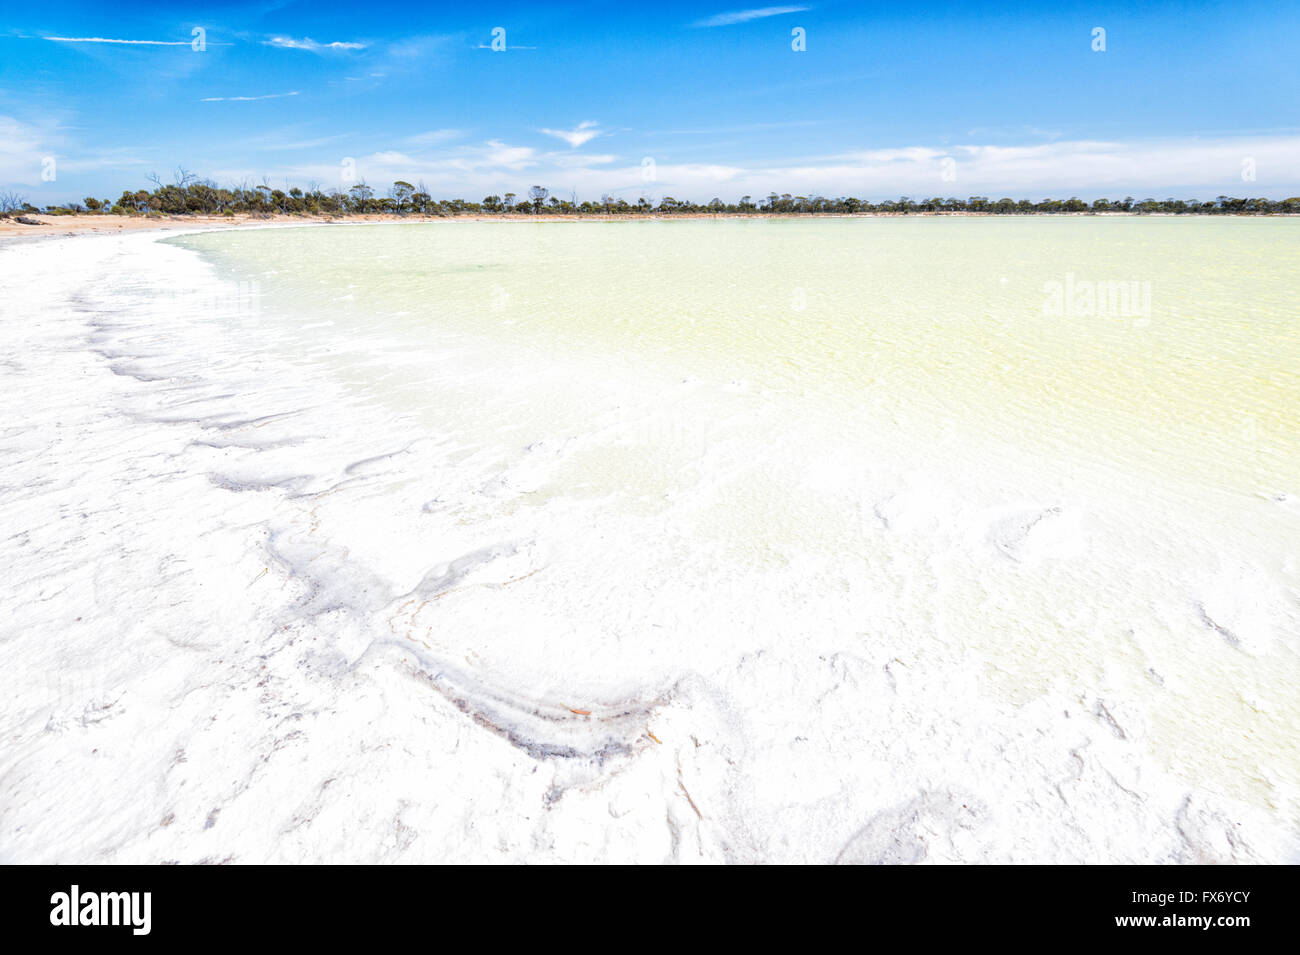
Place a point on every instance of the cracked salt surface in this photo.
(433, 580)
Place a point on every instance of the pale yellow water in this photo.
(869, 413)
(948, 313)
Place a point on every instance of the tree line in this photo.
(190, 195)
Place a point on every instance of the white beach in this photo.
(700, 541)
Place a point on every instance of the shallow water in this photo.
(842, 528)
(953, 314)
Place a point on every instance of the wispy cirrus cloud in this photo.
(310, 45)
(101, 39)
(584, 132)
(744, 16)
(245, 99)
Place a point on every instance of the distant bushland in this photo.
(190, 195)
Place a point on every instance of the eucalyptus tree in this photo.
(401, 194)
(360, 197)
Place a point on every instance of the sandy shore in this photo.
(75, 225)
(65, 226)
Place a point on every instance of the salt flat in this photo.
(791, 541)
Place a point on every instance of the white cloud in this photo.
(500, 155)
(744, 16)
(22, 147)
(100, 39)
(307, 43)
(245, 99)
(1182, 168)
(584, 132)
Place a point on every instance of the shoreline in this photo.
(65, 226)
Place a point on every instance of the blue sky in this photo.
(690, 100)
